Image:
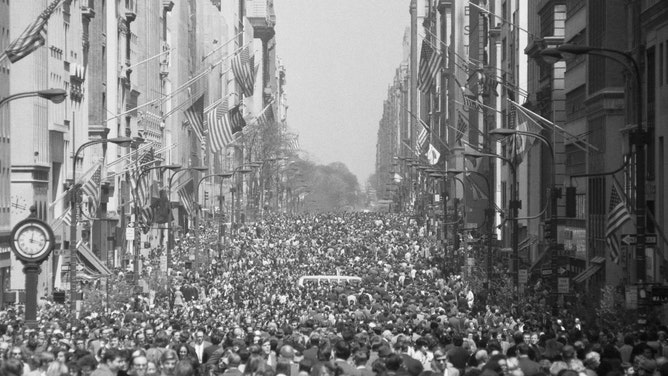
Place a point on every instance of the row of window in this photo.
(662, 67)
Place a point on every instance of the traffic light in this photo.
(206, 197)
(547, 229)
(570, 202)
(59, 296)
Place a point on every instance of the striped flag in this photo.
(430, 64)
(186, 198)
(293, 143)
(67, 218)
(33, 37)
(618, 214)
(422, 137)
(471, 103)
(476, 191)
(243, 68)
(139, 188)
(236, 119)
(194, 118)
(267, 116)
(220, 134)
(462, 128)
(92, 188)
(490, 84)
(223, 124)
(524, 123)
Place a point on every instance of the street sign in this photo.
(629, 239)
(546, 271)
(659, 294)
(523, 276)
(129, 233)
(561, 270)
(562, 285)
(632, 239)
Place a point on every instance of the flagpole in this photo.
(147, 60)
(426, 126)
(530, 114)
(175, 91)
(221, 46)
(502, 19)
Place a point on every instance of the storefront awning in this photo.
(598, 260)
(528, 242)
(587, 273)
(91, 261)
(538, 261)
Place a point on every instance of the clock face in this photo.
(32, 239)
(19, 206)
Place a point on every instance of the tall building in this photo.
(5, 153)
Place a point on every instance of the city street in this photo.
(330, 188)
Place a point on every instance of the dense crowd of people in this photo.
(249, 312)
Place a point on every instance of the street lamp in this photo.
(638, 137)
(554, 196)
(243, 169)
(137, 240)
(489, 215)
(54, 95)
(514, 206)
(170, 236)
(222, 177)
(73, 204)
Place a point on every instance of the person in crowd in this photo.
(111, 362)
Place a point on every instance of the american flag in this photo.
(186, 199)
(430, 64)
(462, 128)
(220, 134)
(92, 188)
(476, 191)
(194, 118)
(243, 68)
(490, 84)
(33, 37)
(293, 143)
(140, 179)
(524, 123)
(422, 137)
(618, 214)
(471, 103)
(267, 116)
(223, 124)
(236, 119)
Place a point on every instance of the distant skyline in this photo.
(340, 58)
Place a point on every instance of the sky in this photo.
(340, 57)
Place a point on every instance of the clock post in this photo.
(32, 241)
(31, 270)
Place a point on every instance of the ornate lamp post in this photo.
(222, 177)
(489, 215)
(515, 205)
(137, 241)
(73, 208)
(638, 137)
(170, 236)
